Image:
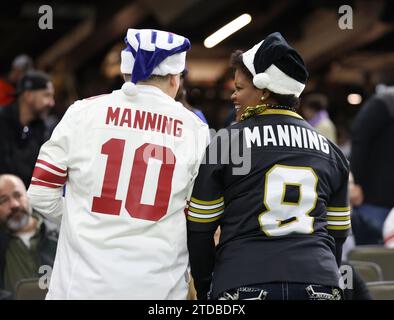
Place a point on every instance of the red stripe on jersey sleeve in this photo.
(44, 175)
(44, 184)
(49, 165)
(389, 238)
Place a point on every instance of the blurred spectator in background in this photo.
(22, 125)
(388, 230)
(181, 97)
(21, 64)
(372, 161)
(343, 140)
(314, 110)
(25, 243)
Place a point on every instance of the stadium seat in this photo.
(381, 290)
(28, 289)
(382, 256)
(369, 271)
(5, 295)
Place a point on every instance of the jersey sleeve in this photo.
(338, 208)
(50, 172)
(206, 207)
(338, 211)
(207, 202)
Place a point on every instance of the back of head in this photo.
(384, 80)
(20, 65)
(22, 62)
(33, 80)
(385, 76)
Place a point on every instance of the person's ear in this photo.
(265, 94)
(173, 84)
(27, 96)
(175, 80)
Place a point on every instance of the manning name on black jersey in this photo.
(278, 191)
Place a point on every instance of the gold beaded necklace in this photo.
(260, 108)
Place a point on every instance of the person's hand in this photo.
(217, 236)
(356, 195)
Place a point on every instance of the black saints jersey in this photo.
(278, 191)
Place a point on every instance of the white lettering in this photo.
(313, 140)
(269, 136)
(252, 136)
(46, 20)
(346, 20)
(283, 135)
(296, 137)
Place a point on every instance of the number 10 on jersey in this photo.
(107, 202)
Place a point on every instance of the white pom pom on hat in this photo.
(129, 88)
(261, 80)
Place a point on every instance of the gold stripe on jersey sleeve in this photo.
(346, 227)
(338, 218)
(203, 220)
(338, 209)
(192, 209)
(221, 199)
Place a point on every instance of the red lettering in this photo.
(151, 121)
(177, 131)
(107, 203)
(159, 123)
(144, 121)
(126, 118)
(139, 119)
(112, 116)
(167, 125)
(138, 175)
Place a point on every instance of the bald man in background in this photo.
(25, 242)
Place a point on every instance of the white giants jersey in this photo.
(128, 166)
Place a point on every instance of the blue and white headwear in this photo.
(151, 52)
(277, 66)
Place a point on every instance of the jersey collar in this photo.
(278, 111)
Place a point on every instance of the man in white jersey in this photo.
(129, 160)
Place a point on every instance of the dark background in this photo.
(82, 51)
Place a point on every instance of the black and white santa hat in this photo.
(276, 66)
